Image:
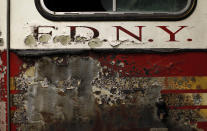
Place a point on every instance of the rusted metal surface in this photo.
(3, 91)
(96, 91)
(103, 91)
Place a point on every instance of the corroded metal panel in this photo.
(3, 67)
(3, 91)
(99, 91)
(53, 87)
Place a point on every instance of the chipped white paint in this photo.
(3, 24)
(2, 116)
(3, 71)
(23, 21)
(3, 111)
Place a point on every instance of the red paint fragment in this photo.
(3, 84)
(202, 125)
(13, 127)
(13, 108)
(15, 64)
(14, 91)
(150, 40)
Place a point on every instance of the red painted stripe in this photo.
(156, 64)
(188, 107)
(143, 64)
(183, 91)
(15, 65)
(13, 108)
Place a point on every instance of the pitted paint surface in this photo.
(72, 92)
(3, 92)
(3, 116)
(86, 37)
(1, 40)
(55, 91)
(66, 41)
(3, 25)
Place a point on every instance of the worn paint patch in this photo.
(94, 43)
(63, 39)
(3, 92)
(78, 92)
(30, 41)
(79, 41)
(30, 72)
(1, 40)
(51, 92)
(3, 122)
(155, 64)
(44, 38)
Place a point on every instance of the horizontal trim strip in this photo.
(141, 64)
(183, 91)
(188, 107)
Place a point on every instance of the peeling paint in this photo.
(80, 92)
(66, 40)
(3, 116)
(1, 40)
(3, 92)
(30, 41)
(63, 39)
(80, 39)
(94, 43)
(44, 38)
(52, 98)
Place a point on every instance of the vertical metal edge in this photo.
(114, 5)
(8, 65)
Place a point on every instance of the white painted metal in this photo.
(3, 24)
(114, 5)
(24, 17)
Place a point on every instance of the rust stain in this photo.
(79, 93)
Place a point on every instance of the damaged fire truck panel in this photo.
(106, 68)
(3, 66)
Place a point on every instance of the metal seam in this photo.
(8, 64)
